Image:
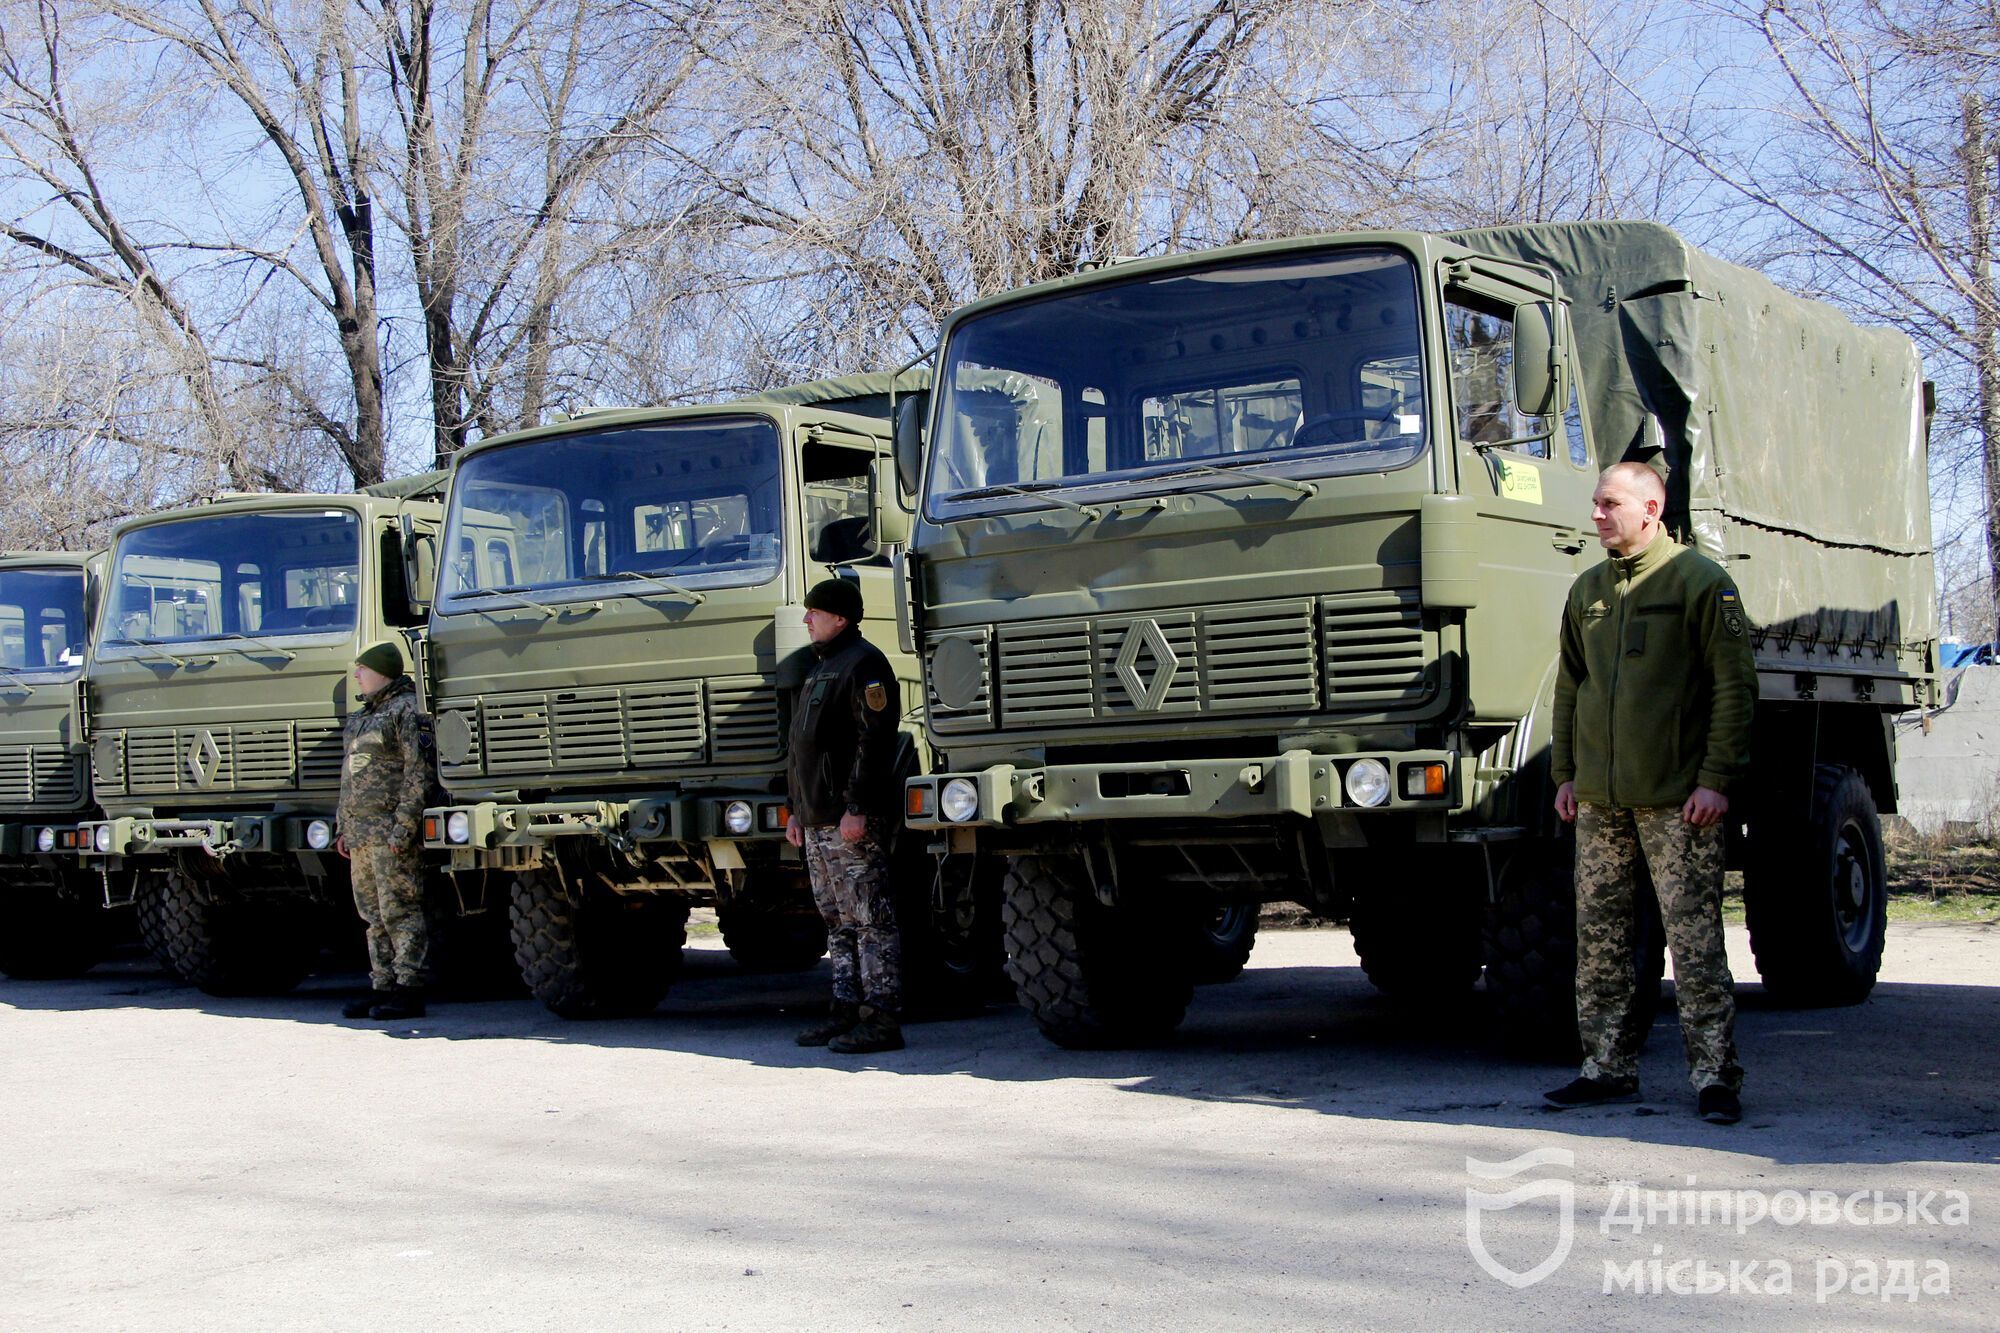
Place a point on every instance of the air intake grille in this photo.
(743, 721)
(1375, 649)
(664, 725)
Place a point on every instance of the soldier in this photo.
(384, 784)
(1651, 731)
(843, 798)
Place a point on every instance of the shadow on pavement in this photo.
(1913, 1074)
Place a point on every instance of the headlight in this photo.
(458, 827)
(319, 835)
(737, 817)
(959, 801)
(101, 839)
(1367, 782)
(45, 839)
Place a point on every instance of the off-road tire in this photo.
(1222, 937)
(1092, 977)
(46, 934)
(1417, 949)
(1816, 894)
(1530, 947)
(226, 948)
(954, 960)
(608, 956)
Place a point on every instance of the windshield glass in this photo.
(41, 619)
(1300, 366)
(692, 504)
(284, 572)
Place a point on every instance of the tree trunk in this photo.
(1978, 154)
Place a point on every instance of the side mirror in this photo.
(1540, 357)
(885, 504)
(909, 445)
(419, 564)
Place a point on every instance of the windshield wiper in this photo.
(266, 644)
(1305, 488)
(152, 648)
(662, 584)
(514, 593)
(15, 684)
(1005, 488)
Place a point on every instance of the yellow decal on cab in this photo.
(1519, 481)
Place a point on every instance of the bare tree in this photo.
(1862, 139)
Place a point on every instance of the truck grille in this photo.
(1351, 652)
(39, 775)
(726, 721)
(271, 756)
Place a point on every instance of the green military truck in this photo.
(53, 921)
(218, 684)
(1237, 578)
(617, 626)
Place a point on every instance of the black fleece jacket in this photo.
(843, 740)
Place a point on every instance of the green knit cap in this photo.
(384, 657)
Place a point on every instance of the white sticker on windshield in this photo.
(1410, 423)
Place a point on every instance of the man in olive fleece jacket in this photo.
(1651, 732)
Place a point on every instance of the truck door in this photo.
(1532, 478)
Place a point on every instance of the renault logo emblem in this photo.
(1147, 665)
(204, 759)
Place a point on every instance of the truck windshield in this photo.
(1296, 366)
(41, 619)
(282, 572)
(685, 505)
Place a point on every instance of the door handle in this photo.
(1567, 541)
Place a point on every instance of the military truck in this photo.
(53, 921)
(1237, 577)
(219, 680)
(617, 627)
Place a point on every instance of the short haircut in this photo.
(1639, 479)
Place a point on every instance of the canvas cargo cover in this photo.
(1795, 444)
(863, 395)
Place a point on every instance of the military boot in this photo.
(364, 1006)
(839, 1019)
(403, 1002)
(877, 1031)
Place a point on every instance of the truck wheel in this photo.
(1092, 976)
(1816, 893)
(1223, 935)
(1416, 949)
(46, 934)
(1530, 945)
(225, 948)
(771, 924)
(948, 912)
(608, 956)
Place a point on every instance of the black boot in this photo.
(364, 1006)
(403, 1002)
(839, 1019)
(877, 1031)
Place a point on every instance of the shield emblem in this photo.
(1478, 1203)
(877, 695)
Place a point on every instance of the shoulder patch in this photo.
(877, 696)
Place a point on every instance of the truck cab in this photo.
(219, 683)
(53, 921)
(617, 629)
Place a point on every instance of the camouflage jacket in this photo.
(385, 778)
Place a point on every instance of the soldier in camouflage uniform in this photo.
(1651, 731)
(843, 796)
(385, 782)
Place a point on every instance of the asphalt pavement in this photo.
(1302, 1155)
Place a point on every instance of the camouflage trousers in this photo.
(389, 894)
(1685, 863)
(850, 883)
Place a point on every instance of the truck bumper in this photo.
(100, 842)
(494, 833)
(39, 842)
(1295, 783)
